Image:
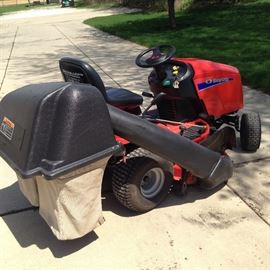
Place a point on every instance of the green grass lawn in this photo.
(78, 4)
(83, 4)
(21, 7)
(13, 8)
(236, 35)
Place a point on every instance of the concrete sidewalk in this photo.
(226, 228)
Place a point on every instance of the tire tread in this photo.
(250, 131)
(125, 170)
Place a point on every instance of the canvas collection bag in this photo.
(70, 204)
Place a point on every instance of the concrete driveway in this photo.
(227, 228)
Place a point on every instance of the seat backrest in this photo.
(78, 71)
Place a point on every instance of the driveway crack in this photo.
(241, 164)
(91, 60)
(9, 57)
(248, 204)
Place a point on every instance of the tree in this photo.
(171, 12)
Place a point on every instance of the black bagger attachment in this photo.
(52, 128)
(59, 132)
(65, 132)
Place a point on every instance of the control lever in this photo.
(154, 101)
(147, 94)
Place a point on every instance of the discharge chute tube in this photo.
(212, 167)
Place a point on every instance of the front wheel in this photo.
(250, 131)
(141, 182)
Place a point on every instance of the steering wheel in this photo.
(155, 56)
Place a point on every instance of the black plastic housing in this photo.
(53, 128)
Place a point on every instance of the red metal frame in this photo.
(176, 128)
(219, 86)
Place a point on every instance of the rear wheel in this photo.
(250, 131)
(141, 182)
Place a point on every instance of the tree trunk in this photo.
(171, 11)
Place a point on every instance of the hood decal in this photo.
(212, 82)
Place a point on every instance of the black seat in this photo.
(75, 70)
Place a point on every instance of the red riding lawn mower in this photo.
(67, 139)
(194, 108)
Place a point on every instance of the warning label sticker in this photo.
(7, 128)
